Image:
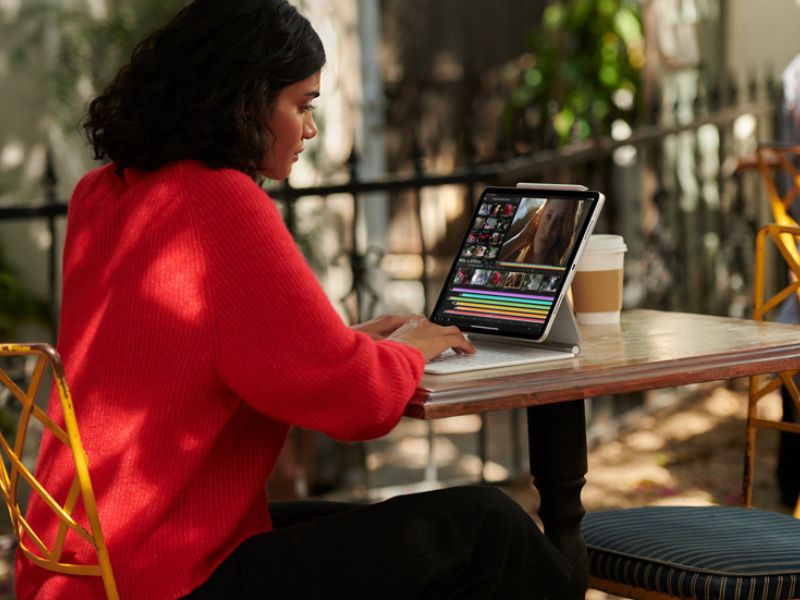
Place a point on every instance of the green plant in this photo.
(17, 304)
(79, 49)
(584, 70)
(72, 52)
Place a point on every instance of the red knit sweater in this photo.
(193, 334)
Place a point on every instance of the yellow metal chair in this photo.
(785, 240)
(778, 166)
(12, 469)
(710, 552)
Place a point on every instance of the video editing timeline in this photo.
(500, 305)
(488, 288)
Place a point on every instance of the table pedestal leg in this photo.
(557, 445)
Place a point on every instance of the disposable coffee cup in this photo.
(597, 285)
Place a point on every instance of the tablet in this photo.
(516, 260)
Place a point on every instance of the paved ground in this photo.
(689, 452)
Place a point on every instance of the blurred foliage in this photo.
(77, 46)
(584, 71)
(81, 45)
(17, 305)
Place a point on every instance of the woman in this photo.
(194, 335)
(547, 236)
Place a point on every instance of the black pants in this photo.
(466, 542)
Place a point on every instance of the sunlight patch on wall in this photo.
(34, 165)
(98, 9)
(12, 154)
(85, 88)
(9, 9)
(336, 24)
(439, 208)
(40, 235)
(403, 266)
(745, 127)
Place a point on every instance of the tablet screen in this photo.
(514, 261)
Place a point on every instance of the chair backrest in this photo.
(12, 469)
(779, 167)
(785, 239)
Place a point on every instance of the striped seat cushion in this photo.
(697, 552)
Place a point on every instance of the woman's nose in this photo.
(309, 127)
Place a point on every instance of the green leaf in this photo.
(584, 51)
(553, 16)
(628, 26)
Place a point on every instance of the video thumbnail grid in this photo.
(494, 288)
(488, 230)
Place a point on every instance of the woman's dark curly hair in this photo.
(202, 87)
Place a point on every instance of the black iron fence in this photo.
(679, 191)
(675, 189)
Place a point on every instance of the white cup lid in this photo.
(602, 243)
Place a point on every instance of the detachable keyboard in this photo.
(489, 356)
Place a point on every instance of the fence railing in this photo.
(688, 212)
(688, 215)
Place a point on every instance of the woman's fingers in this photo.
(457, 340)
(384, 325)
(431, 339)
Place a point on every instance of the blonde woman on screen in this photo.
(547, 236)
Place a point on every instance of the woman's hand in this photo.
(383, 326)
(431, 339)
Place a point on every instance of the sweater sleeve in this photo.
(279, 344)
